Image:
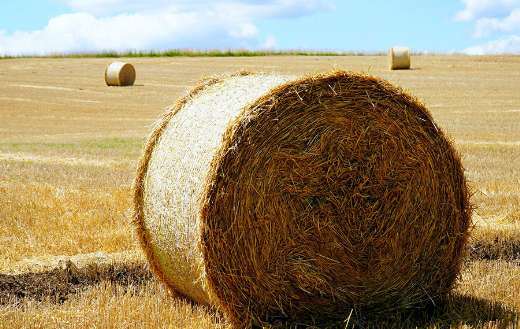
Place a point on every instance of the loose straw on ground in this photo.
(272, 198)
(120, 74)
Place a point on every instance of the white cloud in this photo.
(269, 43)
(499, 19)
(113, 7)
(486, 26)
(257, 7)
(103, 25)
(475, 9)
(244, 31)
(508, 45)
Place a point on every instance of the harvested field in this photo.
(54, 279)
(69, 148)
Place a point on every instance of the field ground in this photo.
(69, 146)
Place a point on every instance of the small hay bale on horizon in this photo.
(399, 58)
(120, 74)
(275, 198)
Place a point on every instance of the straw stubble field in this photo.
(69, 148)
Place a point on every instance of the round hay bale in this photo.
(275, 198)
(120, 74)
(399, 58)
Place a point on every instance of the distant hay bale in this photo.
(120, 74)
(274, 198)
(399, 58)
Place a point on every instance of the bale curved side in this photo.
(399, 58)
(138, 185)
(141, 176)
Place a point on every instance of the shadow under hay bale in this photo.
(453, 311)
(58, 284)
(497, 249)
(279, 198)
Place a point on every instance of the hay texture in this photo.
(399, 58)
(120, 74)
(275, 198)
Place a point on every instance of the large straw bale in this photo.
(120, 74)
(275, 198)
(399, 58)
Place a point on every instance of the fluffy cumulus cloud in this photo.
(257, 7)
(121, 25)
(488, 26)
(510, 44)
(475, 9)
(496, 25)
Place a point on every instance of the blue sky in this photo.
(64, 26)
